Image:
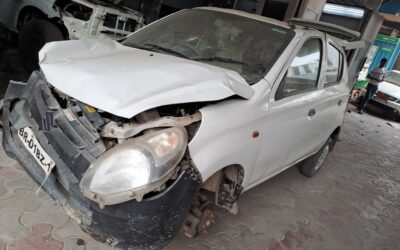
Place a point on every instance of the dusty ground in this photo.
(353, 203)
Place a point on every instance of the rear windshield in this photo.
(247, 46)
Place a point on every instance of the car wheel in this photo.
(312, 165)
(32, 37)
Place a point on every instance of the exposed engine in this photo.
(114, 130)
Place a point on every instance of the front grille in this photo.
(76, 142)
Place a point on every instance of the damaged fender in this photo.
(149, 224)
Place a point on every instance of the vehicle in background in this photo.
(40, 21)
(388, 95)
(131, 138)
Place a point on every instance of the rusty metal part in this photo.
(189, 167)
(206, 220)
(100, 22)
(189, 228)
(200, 217)
(115, 130)
(147, 116)
(230, 189)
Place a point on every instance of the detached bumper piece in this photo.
(73, 144)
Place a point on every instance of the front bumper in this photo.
(149, 224)
(392, 107)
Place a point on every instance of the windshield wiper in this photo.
(156, 48)
(219, 59)
(159, 48)
(227, 60)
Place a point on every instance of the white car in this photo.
(388, 95)
(129, 137)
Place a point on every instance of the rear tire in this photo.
(32, 37)
(313, 164)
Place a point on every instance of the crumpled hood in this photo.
(125, 81)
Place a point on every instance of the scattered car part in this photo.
(230, 189)
(200, 217)
(88, 18)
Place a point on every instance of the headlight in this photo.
(136, 167)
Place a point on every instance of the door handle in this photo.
(311, 113)
(340, 102)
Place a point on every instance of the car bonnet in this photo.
(125, 81)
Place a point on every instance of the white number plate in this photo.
(32, 145)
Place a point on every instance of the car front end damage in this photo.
(129, 184)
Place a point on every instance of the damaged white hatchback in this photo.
(133, 138)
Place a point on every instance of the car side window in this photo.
(303, 72)
(334, 66)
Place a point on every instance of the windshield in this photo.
(393, 77)
(244, 45)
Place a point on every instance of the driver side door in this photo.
(291, 126)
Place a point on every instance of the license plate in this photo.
(30, 142)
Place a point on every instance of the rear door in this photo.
(334, 91)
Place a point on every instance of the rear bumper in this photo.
(149, 224)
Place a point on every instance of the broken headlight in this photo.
(136, 167)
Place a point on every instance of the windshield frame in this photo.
(267, 67)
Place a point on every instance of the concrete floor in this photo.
(353, 203)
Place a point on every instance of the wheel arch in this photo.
(335, 133)
(227, 185)
(237, 167)
(335, 136)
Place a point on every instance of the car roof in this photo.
(248, 15)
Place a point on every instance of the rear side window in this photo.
(303, 72)
(334, 65)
